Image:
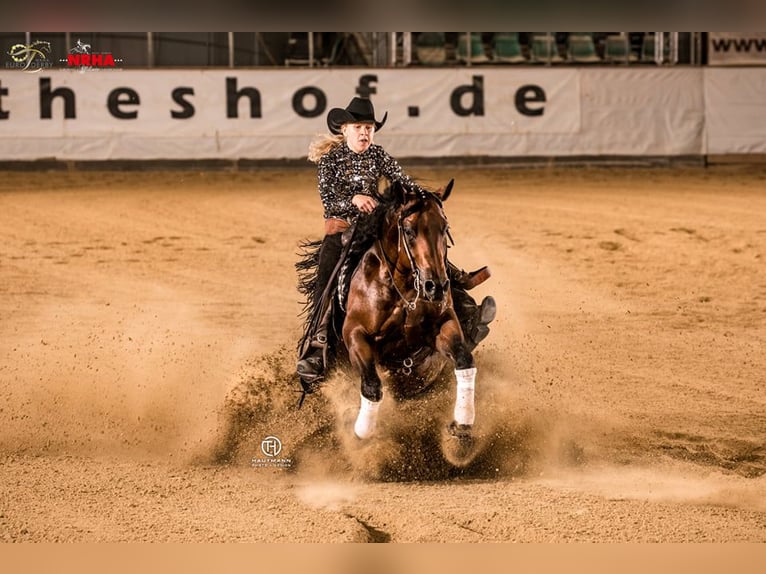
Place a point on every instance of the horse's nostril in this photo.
(430, 287)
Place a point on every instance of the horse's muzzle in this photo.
(435, 291)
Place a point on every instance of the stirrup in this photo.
(320, 339)
(470, 280)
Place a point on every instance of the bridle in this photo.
(401, 242)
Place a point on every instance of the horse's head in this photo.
(419, 227)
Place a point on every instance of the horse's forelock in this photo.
(411, 207)
(419, 202)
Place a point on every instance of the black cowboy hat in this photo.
(359, 110)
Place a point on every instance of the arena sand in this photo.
(148, 325)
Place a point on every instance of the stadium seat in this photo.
(544, 49)
(337, 45)
(647, 48)
(507, 48)
(297, 51)
(473, 53)
(581, 49)
(617, 49)
(431, 48)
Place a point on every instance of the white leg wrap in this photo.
(366, 419)
(464, 408)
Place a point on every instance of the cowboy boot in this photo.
(311, 366)
(474, 319)
(485, 315)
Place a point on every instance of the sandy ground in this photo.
(147, 332)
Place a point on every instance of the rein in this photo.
(411, 305)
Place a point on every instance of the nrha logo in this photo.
(81, 57)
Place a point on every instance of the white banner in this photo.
(112, 114)
(274, 113)
(736, 110)
(736, 48)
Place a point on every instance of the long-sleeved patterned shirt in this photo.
(343, 173)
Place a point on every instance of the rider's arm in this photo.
(333, 189)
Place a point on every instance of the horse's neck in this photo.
(396, 262)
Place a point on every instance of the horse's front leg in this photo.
(363, 360)
(459, 446)
(450, 342)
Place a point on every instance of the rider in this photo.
(349, 167)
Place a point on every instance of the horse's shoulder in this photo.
(371, 265)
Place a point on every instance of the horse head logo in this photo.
(36, 52)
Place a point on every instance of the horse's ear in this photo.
(399, 192)
(447, 190)
(382, 197)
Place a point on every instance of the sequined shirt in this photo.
(343, 173)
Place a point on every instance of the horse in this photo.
(399, 313)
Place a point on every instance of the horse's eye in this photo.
(409, 233)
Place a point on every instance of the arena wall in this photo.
(268, 114)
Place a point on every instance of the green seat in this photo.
(581, 49)
(617, 49)
(431, 48)
(544, 49)
(297, 51)
(473, 53)
(647, 48)
(507, 48)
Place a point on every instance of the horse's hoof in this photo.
(459, 431)
(459, 444)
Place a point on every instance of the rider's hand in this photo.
(364, 203)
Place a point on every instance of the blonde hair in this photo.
(322, 144)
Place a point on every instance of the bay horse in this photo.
(399, 314)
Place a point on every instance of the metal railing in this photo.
(379, 49)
